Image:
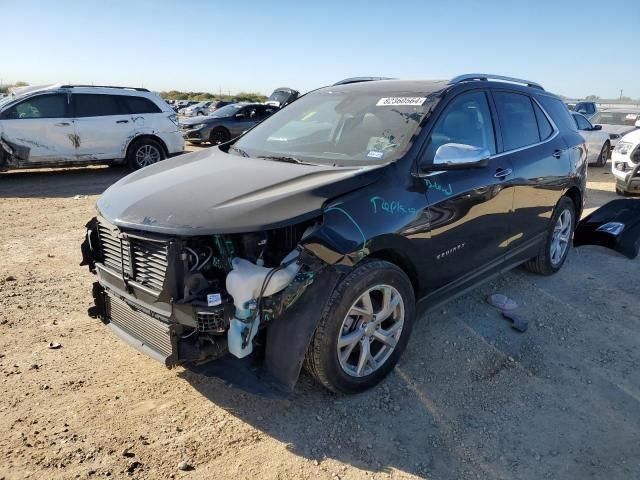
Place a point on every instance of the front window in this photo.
(340, 128)
(616, 118)
(278, 96)
(42, 106)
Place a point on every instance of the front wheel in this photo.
(219, 135)
(555, 248)
(604, 155)
(364, 329)
(144, 152)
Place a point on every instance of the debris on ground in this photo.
(518, 322)
(54, 345)
(502, 302)
(185, 466)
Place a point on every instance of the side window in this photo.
(466, 120)
(583, 123)
(544, 127)
(139, 104)
(43, 106)
(558, 111)
(95, 105)
(517, 120)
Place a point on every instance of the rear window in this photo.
(95, 105)
(559, 112)
(139, 104)
(544, 127)
(517, 120)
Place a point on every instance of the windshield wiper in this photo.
(286, 159)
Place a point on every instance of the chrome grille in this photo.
(149, 331)
(149, 265)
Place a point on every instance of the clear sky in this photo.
(574, 48)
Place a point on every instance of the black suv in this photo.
(310, 237)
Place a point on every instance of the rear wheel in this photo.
(604, 155)
(219, 135)
(144, 152)
(558, 239)
(364, 329)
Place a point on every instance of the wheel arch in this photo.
(401, 261)
(576, 197)
(146, 136)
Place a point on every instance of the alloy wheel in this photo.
(370, 331)
(147, 155)
(561, 237)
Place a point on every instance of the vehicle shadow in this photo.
(59, 183)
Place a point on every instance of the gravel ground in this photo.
(470, 399)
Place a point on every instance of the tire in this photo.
(622, 193)
(351, 374)
(219, 135)
(604, 155)
(546, 263)
(144, 152)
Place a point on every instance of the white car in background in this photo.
(625, 163)
(616, 121)
(200, 109)
(598, 142)
(66, 125)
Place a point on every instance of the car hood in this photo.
(211, 192)
(619, 129)
(632, 137)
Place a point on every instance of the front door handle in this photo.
(62, 124)
(122, 121)
(503, 173)
(557, 154)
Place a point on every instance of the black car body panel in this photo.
(249, 195)
(615, 225)
(447, 229)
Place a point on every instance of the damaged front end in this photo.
(194, 299)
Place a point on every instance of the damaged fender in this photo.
(288, 337)
(615, 225)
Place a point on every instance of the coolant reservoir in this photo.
(244, 283)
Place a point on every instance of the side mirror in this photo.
(637, 124)
(458, 156)
(597, 127)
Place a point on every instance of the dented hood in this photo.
(209, 192)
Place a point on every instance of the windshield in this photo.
(339, 128)
(226, 111)
(626, 118)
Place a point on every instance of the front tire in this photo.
(555, 248)
(604, 155)
(144, 152)
(364, 329)
(219, 135)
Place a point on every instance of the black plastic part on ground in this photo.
(624, 211)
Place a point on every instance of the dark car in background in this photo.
(225, 123)
(314, 234)
(282, 96)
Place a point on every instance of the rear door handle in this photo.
(503, 173)
(557, 154)
(62, 124)
(122, 121)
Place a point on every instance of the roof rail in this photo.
(487, 76)
(138, 89)
(347, 81)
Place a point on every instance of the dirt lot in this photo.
(471, 397)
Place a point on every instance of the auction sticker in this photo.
(394, 101)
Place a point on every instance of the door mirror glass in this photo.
(596, 127)
(454, 156)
